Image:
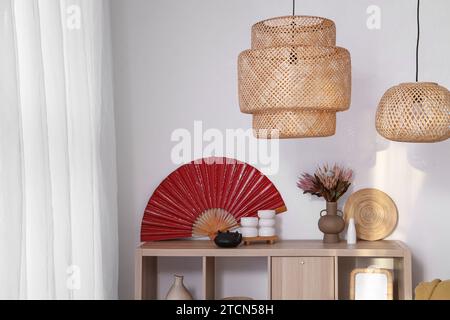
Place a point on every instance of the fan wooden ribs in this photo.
(211, 221)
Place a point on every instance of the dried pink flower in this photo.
(327, 182)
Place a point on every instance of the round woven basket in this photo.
(293, 30)
(415, 112)
(294, 78)
(375, 214)
(294, 124)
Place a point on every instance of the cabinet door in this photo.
(302, 278)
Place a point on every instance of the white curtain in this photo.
(58, 210)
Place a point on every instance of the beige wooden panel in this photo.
(269, 278)
(285, 248)
(138, 275)
(149, 278)
(208, 270)
(336, 278)
(145, 276)
(286, 278)
(302, 278)
(404, 270)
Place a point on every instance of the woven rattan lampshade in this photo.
(415, 112)
(294, 79)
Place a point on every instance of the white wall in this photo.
(175, 62)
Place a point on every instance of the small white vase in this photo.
(351, 232)
(178, 291)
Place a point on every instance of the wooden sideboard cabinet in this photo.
(296, 269)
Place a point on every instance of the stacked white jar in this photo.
(266, 223)
(249, 227)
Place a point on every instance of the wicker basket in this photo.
(294, 79)
(415, 112)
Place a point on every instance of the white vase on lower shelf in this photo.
(178, 291)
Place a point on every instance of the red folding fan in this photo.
(204, 197)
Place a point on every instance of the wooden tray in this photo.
(268, 240)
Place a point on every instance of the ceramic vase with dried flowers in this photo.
(330, 183)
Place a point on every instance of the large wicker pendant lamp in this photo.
(294, 79)
(417, 111)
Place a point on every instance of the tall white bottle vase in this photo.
(351, 232)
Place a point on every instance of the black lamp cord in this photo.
(418, 35)
(293, 21)
(418, 40)
(293, 56)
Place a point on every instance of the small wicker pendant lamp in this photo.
(294, 79)
(415, 112)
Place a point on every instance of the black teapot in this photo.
(228, 239)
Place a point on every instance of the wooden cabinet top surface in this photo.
(199, 248)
